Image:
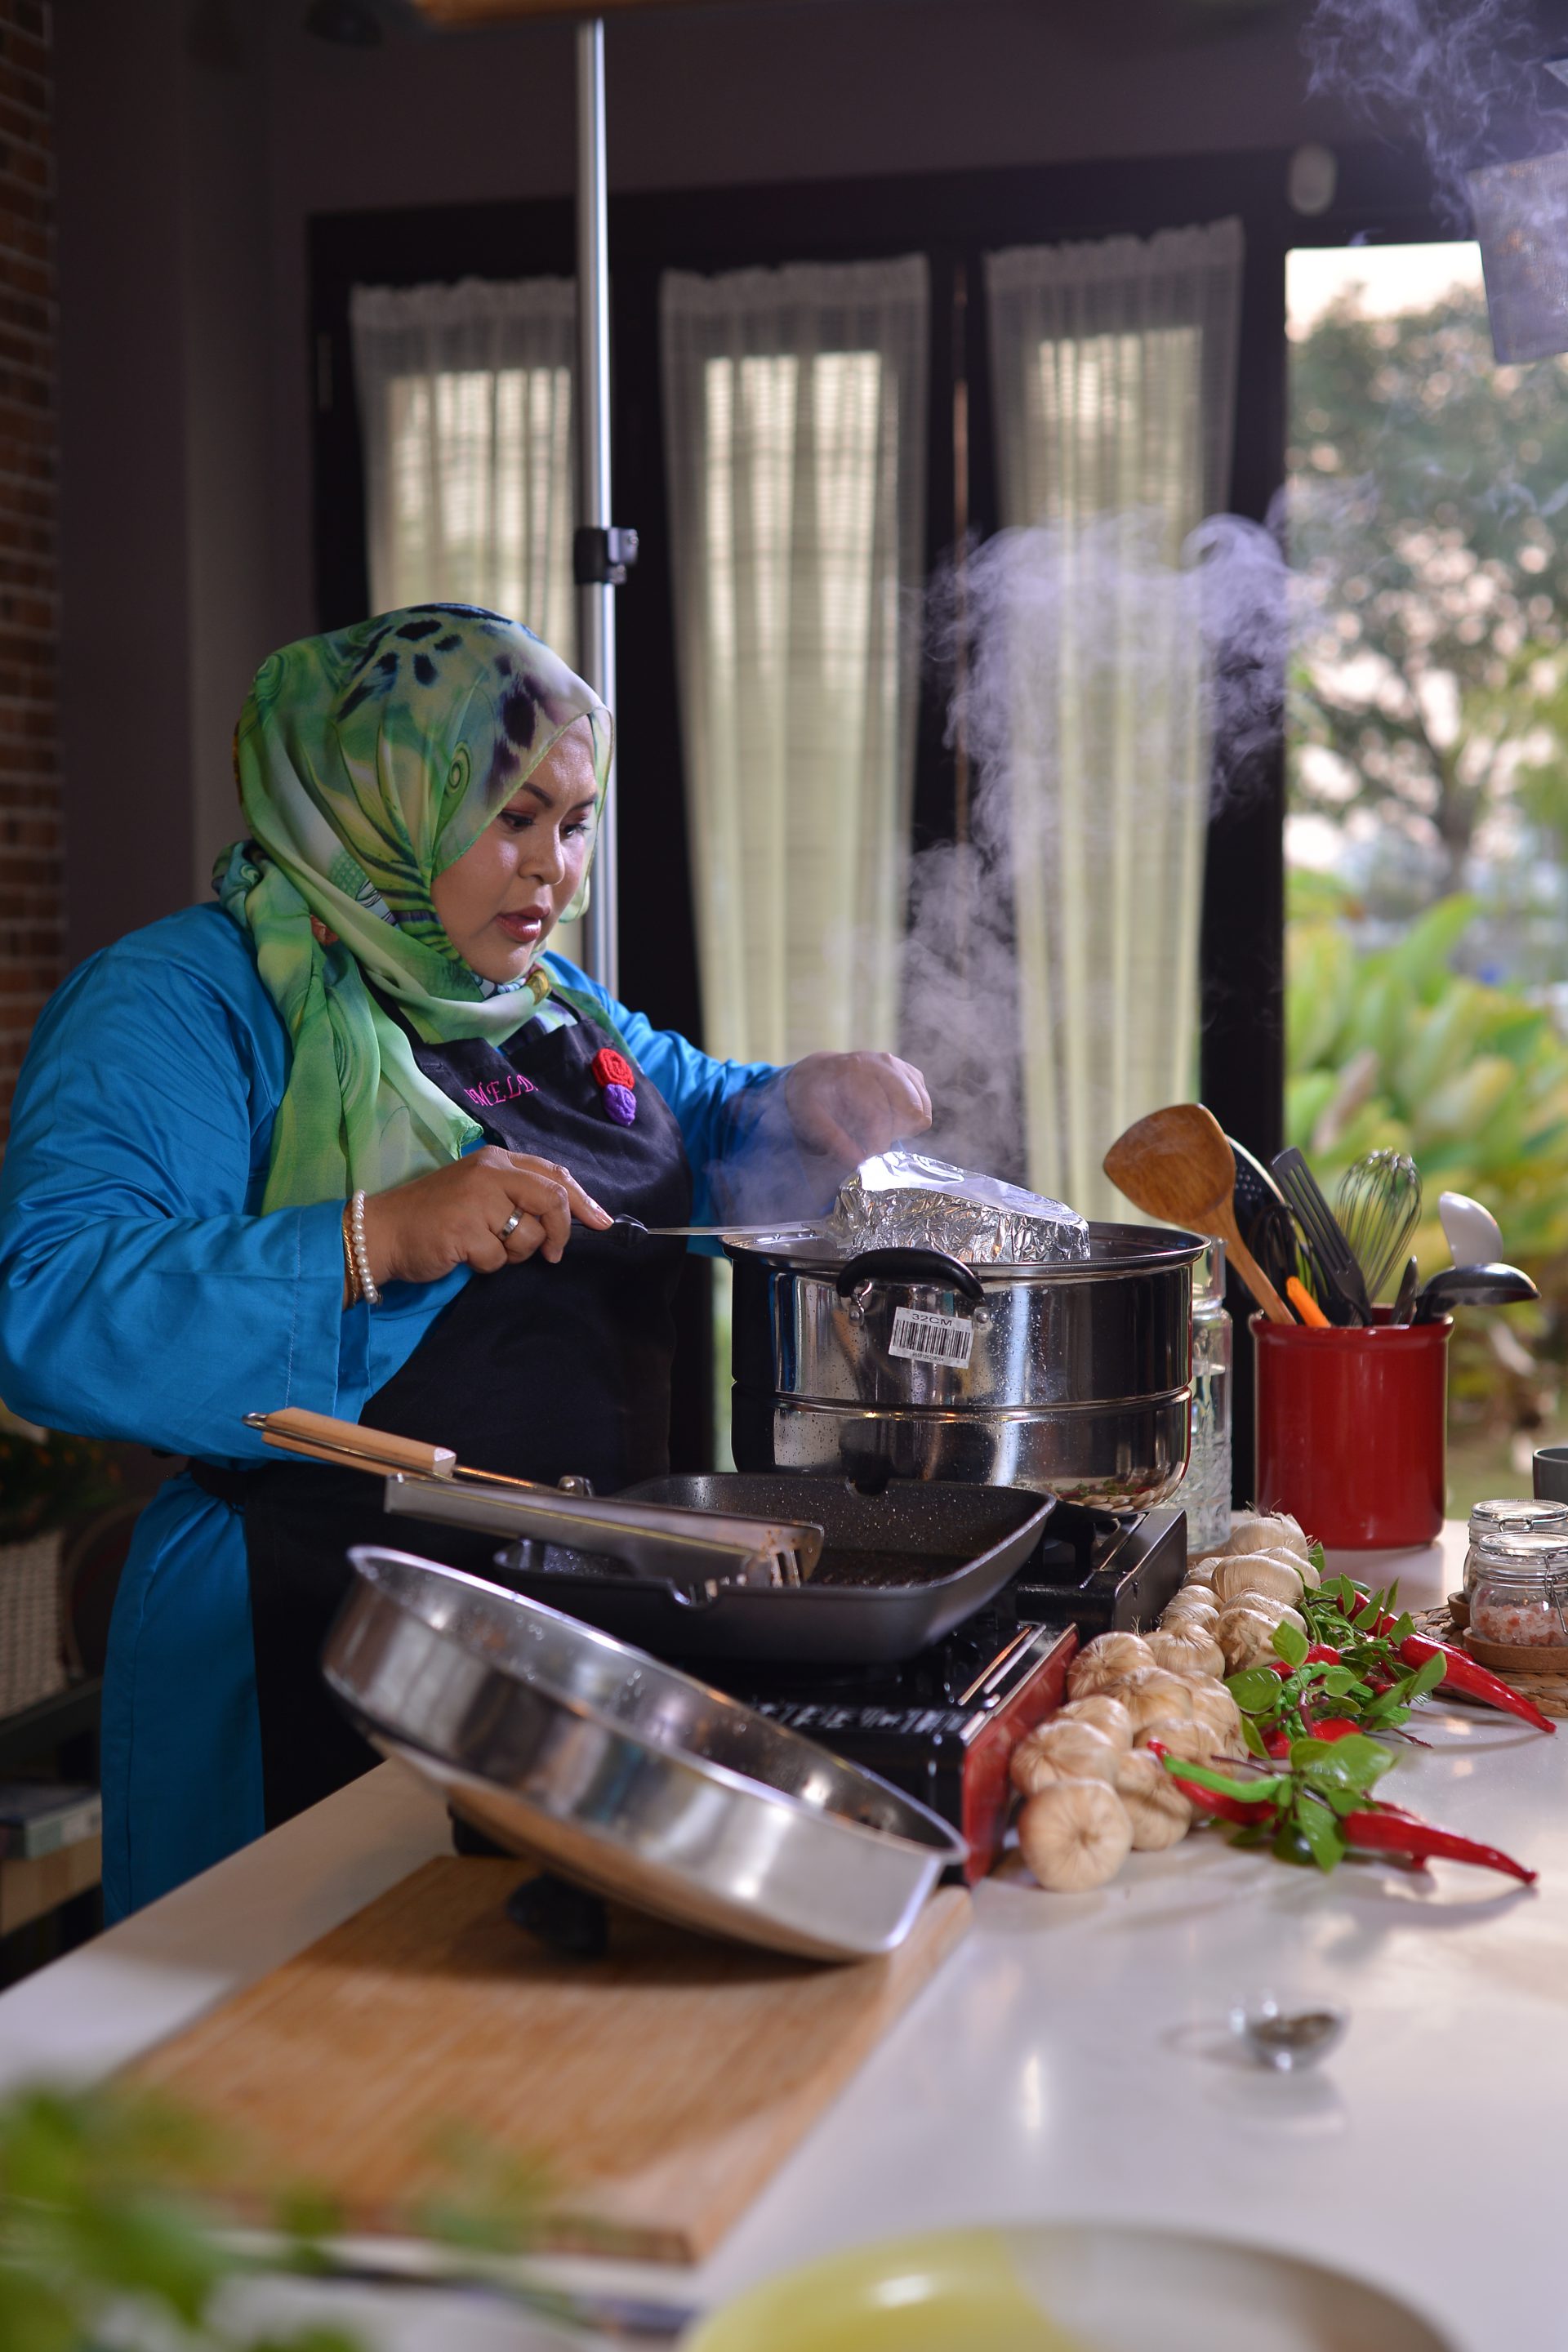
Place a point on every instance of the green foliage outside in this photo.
(1392, 1048)
(1428, 492)
(1429, 527)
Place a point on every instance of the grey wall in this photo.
(236, 613)
(197, 137)
(168, 564)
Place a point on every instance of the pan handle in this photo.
(294, 1431)
(911, 1265)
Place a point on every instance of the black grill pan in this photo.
(898, 1569)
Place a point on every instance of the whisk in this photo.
(1378, 1206)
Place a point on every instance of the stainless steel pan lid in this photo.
(624, 1774)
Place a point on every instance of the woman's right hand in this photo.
(420, 1230)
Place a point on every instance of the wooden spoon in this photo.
(1178, 1165)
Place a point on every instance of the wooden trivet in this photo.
(1547, 1688)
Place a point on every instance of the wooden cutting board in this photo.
(659, 2087)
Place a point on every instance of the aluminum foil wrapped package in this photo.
(902, 1200)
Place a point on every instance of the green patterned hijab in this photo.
(368, 761)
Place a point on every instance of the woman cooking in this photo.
(347, 1139)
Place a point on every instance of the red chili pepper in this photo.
(1224, 1809)
(1210, 1801)
(1334, 1726)
(1318, 1655)
(1465, 1674)
(1392, 1830)
(1277, 1743)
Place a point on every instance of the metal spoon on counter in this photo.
(1288, 2039)
(1176, 1165)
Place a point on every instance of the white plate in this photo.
(1065, 2288)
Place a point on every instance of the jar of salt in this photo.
(1519, 1588)
(1521, 1513)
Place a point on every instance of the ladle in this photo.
(1178, 1165)
(1473, 1286)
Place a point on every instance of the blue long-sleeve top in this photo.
(142, 1295)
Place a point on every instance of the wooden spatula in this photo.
(1178, 1165)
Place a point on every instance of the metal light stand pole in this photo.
(600, 552)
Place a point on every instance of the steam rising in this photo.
(1464, 75)
(1105, 684)
(1110, 690)
(1111, 686)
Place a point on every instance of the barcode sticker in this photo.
(930, 1338)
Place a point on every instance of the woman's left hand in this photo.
(850, 1105)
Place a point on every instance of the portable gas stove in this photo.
(943, 1725)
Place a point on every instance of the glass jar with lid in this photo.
(1525, 1513)
(1204, 1493)
(1518, 1588)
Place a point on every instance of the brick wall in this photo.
(31, 887)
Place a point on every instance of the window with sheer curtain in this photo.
(464, 398)
(795, 406)
(1113, 367)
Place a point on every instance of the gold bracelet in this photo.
(350, 1272)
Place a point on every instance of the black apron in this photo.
(537, 1372)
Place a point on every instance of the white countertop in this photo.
(1071, 2060)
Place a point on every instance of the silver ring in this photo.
(511, 1226)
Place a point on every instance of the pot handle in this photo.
(911, 1265)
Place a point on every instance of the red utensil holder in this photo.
(1351, 1429)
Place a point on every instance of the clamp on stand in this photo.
(602, 555)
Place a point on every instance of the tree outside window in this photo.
(1428, 837)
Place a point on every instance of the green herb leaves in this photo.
(1309, 1715)
(1292, 1645)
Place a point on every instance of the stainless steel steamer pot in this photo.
(624, 1774)
(1075, 1377)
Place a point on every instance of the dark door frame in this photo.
(1384, 196)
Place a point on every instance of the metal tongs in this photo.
(679, 1546)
